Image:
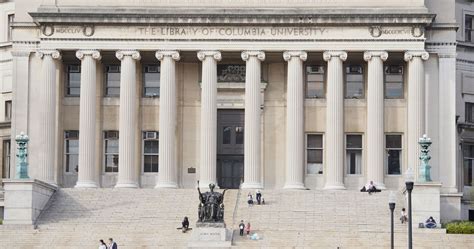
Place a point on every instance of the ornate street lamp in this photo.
(392, 199)
(22, 163)
(409, 179)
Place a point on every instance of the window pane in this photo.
(239, 135)
(314, 168)
(111, 146)
(150, 163)
(354, 141)
(469, 112)
(354, 90)
(393, 141)
(113, 91)
(315, 141)
(151, 146)
(354, 161)
(394, 159)
(113, 80)
(152, 80)
(72, 162)
(315, 90)
(111, 163)
(315, 156)
(72, 146)
(393, 90)
(226, 134)
(468, 172)
(468, 150)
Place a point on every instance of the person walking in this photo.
(241, 227)
(102, 244)
(403, 216)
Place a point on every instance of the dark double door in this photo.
(230, 148)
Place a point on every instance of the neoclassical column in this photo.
(87, 175)
(295, 120)
(128, 121)
(416, 105)
(208, 145)
(167, 177)
(252, 151)
(447, 113)
(375, 117)
(47, 116)
(335, 120)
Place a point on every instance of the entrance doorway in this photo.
(230, 148)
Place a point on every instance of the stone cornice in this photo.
(233, 16)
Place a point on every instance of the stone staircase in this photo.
(148, 218)
(135, 218)
(333, 219)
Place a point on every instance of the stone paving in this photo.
(148, 218)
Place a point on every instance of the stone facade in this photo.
(190, 40)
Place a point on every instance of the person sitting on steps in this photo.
(185, 224)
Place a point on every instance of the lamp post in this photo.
(409, 179)
(391, 204)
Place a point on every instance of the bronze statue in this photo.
(211, 206)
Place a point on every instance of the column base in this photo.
(251, 185)
(86, 184)
(166, 185)
(334, 187)
(294, 186)
(127, 185)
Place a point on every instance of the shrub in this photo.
(460, 227)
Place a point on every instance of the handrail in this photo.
(236, 206)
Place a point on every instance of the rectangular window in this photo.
(468, 28)
(6, 159)
(111, 152)
(10, 27)
(71, 151)
(151, 81)
(314, 154)
(353, 154)
(468, 154)
(315, 82)
(8, 110)
(73, 81)
(469, 112)
(393, 158)
(112, 81)
(354, 82)
(150, 152)
(394, 82)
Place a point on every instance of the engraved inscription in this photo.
(231, 31)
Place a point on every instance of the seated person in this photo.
(370, 188)
(185, 224)
(430, 223)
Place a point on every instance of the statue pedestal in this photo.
(210, 235)
(426, 202)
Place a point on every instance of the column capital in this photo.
(161, 54)
(368, 55)
(247, 54)
(55, 54)
(302, 55)
(209, 53)
(133, 53)
(94, 53)
(410, 54)
(330, 54)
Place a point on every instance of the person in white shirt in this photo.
(102, 244)
(370, 187)
(403, 216)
